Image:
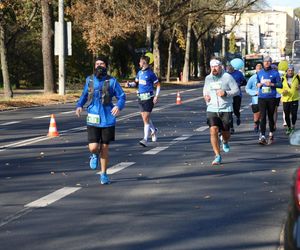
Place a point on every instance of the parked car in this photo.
(292, 225)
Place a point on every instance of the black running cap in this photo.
(102, 58)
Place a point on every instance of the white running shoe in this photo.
(143, 143)
(154, 135)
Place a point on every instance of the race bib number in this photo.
(145, 96)
(215, 85)
(266, 90)
(93, 119)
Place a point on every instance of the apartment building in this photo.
(269, 32)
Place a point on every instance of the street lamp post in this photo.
(61, 56)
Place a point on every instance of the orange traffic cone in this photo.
(52, 128)
(178, 99)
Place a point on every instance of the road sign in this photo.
(67, 39)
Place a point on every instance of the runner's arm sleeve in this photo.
(206, 89)
(120, 95)
(157, 89)
(84, 95)
(250, 90)
(234, 88)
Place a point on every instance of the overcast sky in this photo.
(286, 3)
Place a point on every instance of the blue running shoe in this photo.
(104, 179)
(94, 161)
(226, 147)
(217, 160)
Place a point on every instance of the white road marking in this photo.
(201, 129)
(118, 167)
(67, 112)
(155, 151)
(181, 138)
(53, 197)
(24, 142)
(9, 123)
(41, 117)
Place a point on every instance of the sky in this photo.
(287, 3)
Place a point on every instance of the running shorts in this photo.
(101, 135)
(146, 105)
(255, 108)
(219, 119)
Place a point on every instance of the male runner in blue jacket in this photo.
(99, 90)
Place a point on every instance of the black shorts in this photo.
(147, 105)
(255, 108)
(278, 101)
(101, 135)
(219, 119)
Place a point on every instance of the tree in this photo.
(186, 68)
(47, 47)
(8, 93)
(297, 12)
(232, 43)
(103, 21)
(15, 19)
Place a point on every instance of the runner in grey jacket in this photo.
(219, 88)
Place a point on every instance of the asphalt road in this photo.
(165, 196)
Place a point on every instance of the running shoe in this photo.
(232, 131)
(226, 147)
(288, 131)
(238, 121)
(154, 135)
(143, 143)
(262, 140)
(104, 179)
(94, 161)
(271, 139)
(292, 130)
(217, 160)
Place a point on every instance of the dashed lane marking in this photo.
(118, 167)
(156, 150)
(9, 123)
(201, 129)
(53, 197)
(41, 117)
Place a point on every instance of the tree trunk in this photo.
(47, 48)
(201, 58)
(148, 36)
(186, 67)
(8, 93)
(170, 56)
(156, 52)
